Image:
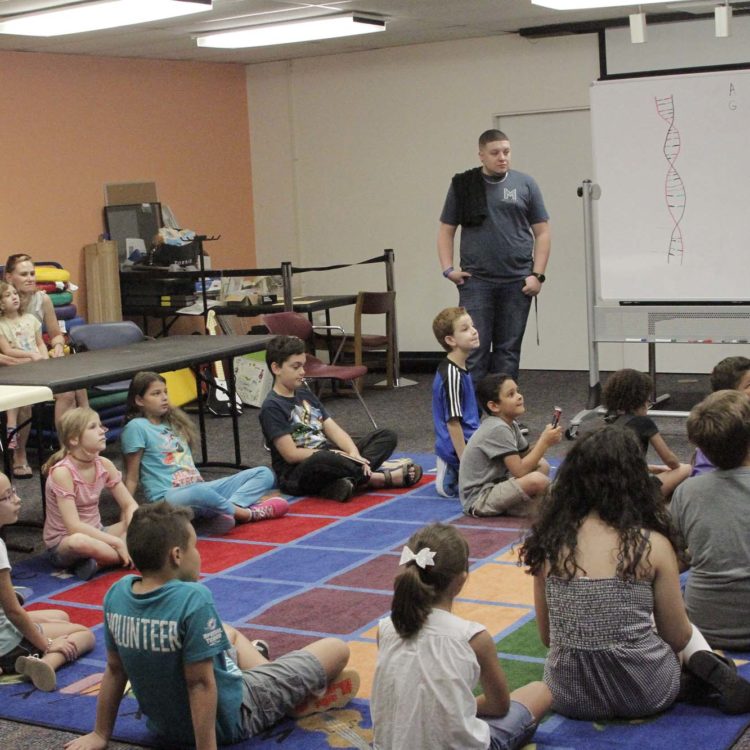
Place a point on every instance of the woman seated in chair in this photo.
(21, 273)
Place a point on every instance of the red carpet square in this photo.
(324, 507)
(280, 530)
(78, 615)
(93, 591)
(326, 611)
(218, 556)
(375, 574)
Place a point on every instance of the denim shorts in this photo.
(514, 730)
(271, 690)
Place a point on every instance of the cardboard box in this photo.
(253, 379)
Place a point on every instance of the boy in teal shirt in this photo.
(197, 681)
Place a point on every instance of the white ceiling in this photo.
(408, 22)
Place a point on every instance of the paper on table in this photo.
(197, 307)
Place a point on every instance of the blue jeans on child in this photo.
(219, 496)
(499, 313)
(512, 731)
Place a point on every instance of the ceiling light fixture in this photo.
(588, 4)
(326, 27)
(102, 14)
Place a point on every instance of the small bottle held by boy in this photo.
(454, 404)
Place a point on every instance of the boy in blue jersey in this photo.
(454, 405)
(197, 681)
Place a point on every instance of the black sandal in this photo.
(411, 474)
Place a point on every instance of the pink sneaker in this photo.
(271, 507)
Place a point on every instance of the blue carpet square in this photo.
(363, 535)
(236, 600)
(417, 507)
(299, 564)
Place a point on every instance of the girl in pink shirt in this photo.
(73, 530)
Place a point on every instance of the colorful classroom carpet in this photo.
(327, 569)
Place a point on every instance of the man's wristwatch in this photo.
(542, 278)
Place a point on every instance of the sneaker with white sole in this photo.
(338, 693)
(39, 672)
(271, 507)
(446, 480)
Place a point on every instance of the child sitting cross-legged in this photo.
(711, 514)
(33, 644)
(454, 405)
(430, 660)
(310, 453)
(157, 442)
(732, 373)
(197, 681)
(626, 395)
(77, 474)
(500, 472)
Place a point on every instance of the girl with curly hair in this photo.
(604, 561)
(626, 396)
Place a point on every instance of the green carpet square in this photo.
(525, 642)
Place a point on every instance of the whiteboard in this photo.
(672, 158)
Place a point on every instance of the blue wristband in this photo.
(448, 271)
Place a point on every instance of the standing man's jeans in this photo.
(499, 312)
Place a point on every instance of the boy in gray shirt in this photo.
(711, 513)
(499, 472)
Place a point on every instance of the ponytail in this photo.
(416, 588)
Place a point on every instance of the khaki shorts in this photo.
(501, 499)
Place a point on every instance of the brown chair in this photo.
(359, 344)
(294, 324)
(375, 303)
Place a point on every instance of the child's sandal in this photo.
(411, 473)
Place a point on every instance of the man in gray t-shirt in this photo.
(504, 248)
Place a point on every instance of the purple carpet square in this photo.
(237, 600)
(485, 542)
(493, 522)
(326, 611)
(299, 564)
(362, 535)
(375, 574)
(279, 642)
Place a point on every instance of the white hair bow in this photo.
(423, 558)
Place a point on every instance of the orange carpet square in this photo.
(499, 583)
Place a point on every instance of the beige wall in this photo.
(360, 148)
(69, 124)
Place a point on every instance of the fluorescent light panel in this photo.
(327, 27)
(106, 14)
(588, 4)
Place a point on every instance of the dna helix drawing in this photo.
(674, 188)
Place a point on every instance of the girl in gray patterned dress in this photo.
(607, 591)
